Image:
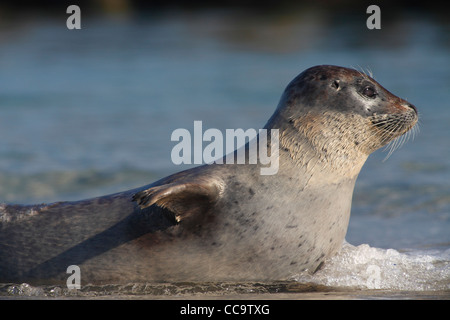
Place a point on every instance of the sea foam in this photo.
(365, 267)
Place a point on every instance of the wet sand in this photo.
(210, 291)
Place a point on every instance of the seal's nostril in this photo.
(412, 107)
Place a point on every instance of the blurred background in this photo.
(89, 112)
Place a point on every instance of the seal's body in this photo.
(222, 222)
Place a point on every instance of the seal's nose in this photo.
(409, 105)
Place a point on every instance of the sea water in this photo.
(89, 112)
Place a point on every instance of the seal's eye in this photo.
(369, 92)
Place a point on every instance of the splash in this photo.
(365, 267)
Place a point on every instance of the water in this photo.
(90, 112)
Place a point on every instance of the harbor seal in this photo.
(222, 222)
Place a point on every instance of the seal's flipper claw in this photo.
(183, 198)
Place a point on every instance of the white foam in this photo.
(365, 267)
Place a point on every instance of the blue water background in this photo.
(89, 112)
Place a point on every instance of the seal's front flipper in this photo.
(183, 198)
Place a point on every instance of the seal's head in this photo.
(342, 113)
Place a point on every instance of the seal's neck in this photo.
(320, 145)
